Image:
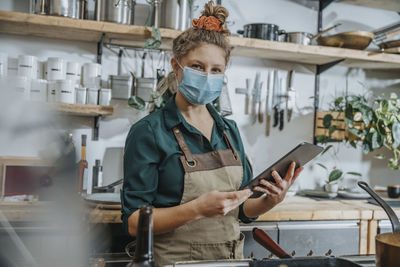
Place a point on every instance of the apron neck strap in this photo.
(182, 144)
(228, 142)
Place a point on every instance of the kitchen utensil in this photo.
(145, 88)
(260, 108)
(175, 14)
(104, 198)
(118, 11)
(291, 96)
(353, 40)
(81, 95)
(281, 105)
(122, 86)
(82, 9)
(255, 98)
(155, 13)
(393, 190)
(56, 69)
(303, 38)
(110, 187)
(267, 242)
(92, 96)
(268, 99)
(12, 68)
(65, 8)
(389, 44)
(352, 195)
(105, 97)
(21, 86)
(38, 90)
(65, 91)
(387, 32)
(263, 31)
(387, 244)
(224, 101)
(97, 173)
(275, 97)
(248, 97)
(27, 66)
(40, 7)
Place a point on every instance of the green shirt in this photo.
(153, 174)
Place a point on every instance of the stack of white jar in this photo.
(62, 81)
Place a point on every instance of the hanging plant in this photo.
(381, 124)
(153, 42)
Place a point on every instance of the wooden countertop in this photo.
(293, 208)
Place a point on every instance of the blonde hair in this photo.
(194, 37)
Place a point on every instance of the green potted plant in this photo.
(334, 175)
(375, 124)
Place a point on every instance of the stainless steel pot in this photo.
(155, 13)
(119, 11)
(263, 31)
(303, 38)
(65, 8)
(40, 7)
(175, 14)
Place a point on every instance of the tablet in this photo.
(301, 154)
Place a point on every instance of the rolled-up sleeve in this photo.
(141, 160)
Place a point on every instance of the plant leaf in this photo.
(136, 102)
(327, 120)
(379, 156)
(156, 33)
(376, 140)
(355, 131)
(353, 144)
(365, 147)
(354, 173)
(335, 175)
(326, 149)
(396, 134)
(332, 128)
(349, 115)
(322, 165)
(322, 139)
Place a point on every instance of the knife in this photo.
(267, 103)
(291, 96)
(255, 101)
(280, 106)
(260, 108)
(248, 95)
(275, 98)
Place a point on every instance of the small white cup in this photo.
(55, 69)
(28, 66)
(39, 90)
(65, 91)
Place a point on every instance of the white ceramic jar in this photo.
(3, 64)
(65, 91)
(81, 94)
(55, 69)
(21, 86)
(12, 69)
(51, 91)
(28, 66)
(38, 90)
(92, 96)
(74, 72)
(92, 75)
(105, 97)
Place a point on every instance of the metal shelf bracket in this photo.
(100, 45)
(96, 127)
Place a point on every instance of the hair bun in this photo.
(217, 11)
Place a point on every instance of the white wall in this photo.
(261, 149)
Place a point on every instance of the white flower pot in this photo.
(332, 188)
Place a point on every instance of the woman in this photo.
(189, 162)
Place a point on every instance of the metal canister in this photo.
(65, 8)
(40, 7)
(119, 11)
(145, 87)
(175, 14)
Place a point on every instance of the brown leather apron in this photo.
(206, 238)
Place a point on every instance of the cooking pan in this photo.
(286, 260)
(265, 31)
(353, 40)
(303, 38)
(388, 244)
(389, 44)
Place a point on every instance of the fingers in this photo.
(269, 188)
(234, 199)
(277, 177)
(290, 171)
(296, 174)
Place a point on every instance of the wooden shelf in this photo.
(392, 5)
(82, 110)
(131, 35)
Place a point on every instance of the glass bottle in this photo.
(144, 240)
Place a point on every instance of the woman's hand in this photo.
(216, 203)
(276, 192)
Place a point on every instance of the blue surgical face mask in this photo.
(200, 88)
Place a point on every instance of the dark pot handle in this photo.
(281, 32)
(240, 31)
(389, 211)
